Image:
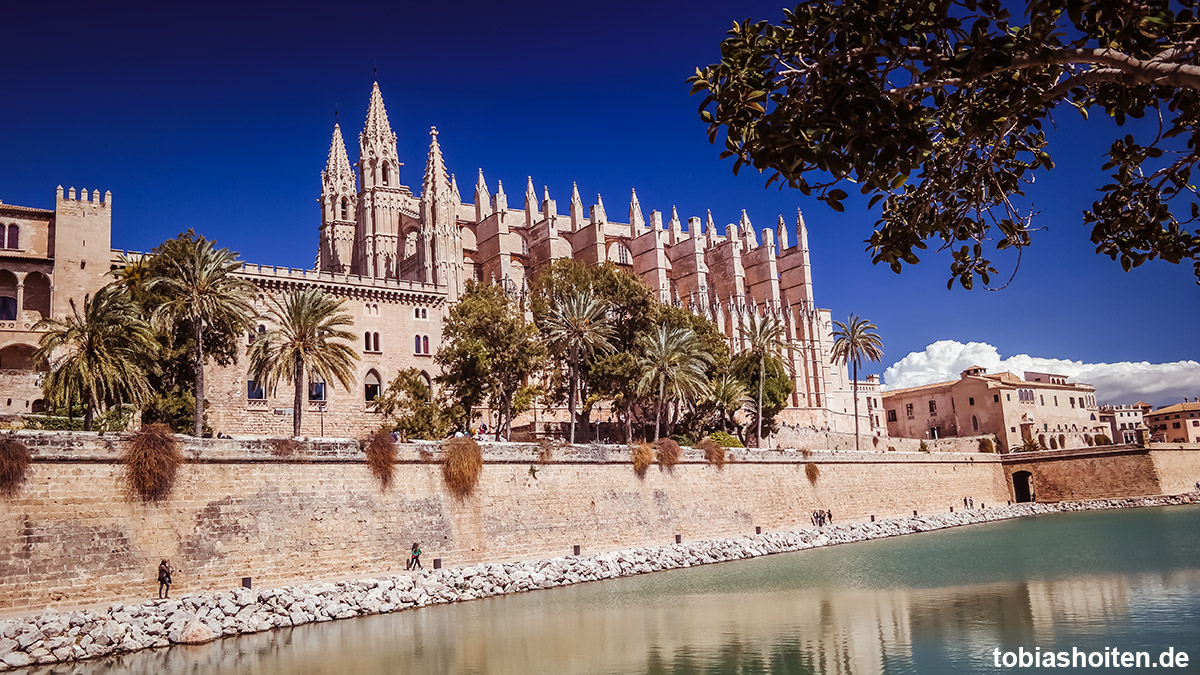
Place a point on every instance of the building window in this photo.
(995, 398)
(891, 416)
(8, 309)
(375, 341)
(254, 390)
(908, 408)
(971, 401)
(387, 173)
(371, 387)
(932, 407)
(1042, 397)
(367, 342)
(416, 344)
(316, 390)
(345, 208)
(1174, 425)
(1008, 397)
(974, 423)
(1012, 429)
(1072, 401)
(425, 344)
(14, 237)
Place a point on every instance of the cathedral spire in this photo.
(436, 182)
(337, 167)
(378, 162)
(377, 119)
(531, 200)
(454, 189)
(636, 220)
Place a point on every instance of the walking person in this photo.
(414, 560)
(164, 579)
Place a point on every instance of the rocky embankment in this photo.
(199, 617)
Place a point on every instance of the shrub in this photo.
(643, 457)
(812, 471)
(683, 439)
(285, 447)
(381, 457)
(14, 466)
(1030, 445)
(1102, 439)
(713, 453)
(152, 459)
(924, 447)
(726, 440)
(668, 452)
(462, 462)
(545, 451)
(986, 445)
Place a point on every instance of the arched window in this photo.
(366, 342)
(974, 423)
(14, 236)
(345, 209)
(416, 344)
(416, 312)
(8, 296)
(387, 173)
(524, 246)
(425, 344)
(371, 386)
(375, 341)
(424, 313)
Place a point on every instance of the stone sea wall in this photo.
(73, 535)
(199, 617)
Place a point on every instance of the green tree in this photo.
(727, 395)
(939, 109)
(306, 338)
(769, 377)
(200, 290)
(674, 366)
(854, 341)
(765, 341)
(577, 325)
(411, 409)
(99, 355)
(488, 349)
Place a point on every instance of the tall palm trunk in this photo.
(298, 400)
(854, 388)
(658, 407)
(198, 328)
(89, 410)
(574, 382)
(762, 375)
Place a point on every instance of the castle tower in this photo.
(439, 241)
(377, 231)
(339, 204)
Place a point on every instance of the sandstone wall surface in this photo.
(73, 535)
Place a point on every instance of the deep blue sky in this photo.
(218, 117)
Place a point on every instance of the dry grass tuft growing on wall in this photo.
(152, 459)
(668, 452)
(286, 447)
(812, 472)
(462, 462)
(381, 457)
(713, 453)
(545, 451)
(14, 466)
(643, 457)
(987, 445)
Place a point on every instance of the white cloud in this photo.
(1123, 382)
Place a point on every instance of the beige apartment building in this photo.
(1179, 423)
(1123, 420)
(399, 259)
(1042, 406)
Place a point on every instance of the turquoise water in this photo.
(931, 603)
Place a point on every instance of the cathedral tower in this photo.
(377, 235)
(440, 242)
(339, 204)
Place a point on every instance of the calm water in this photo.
(930, 603)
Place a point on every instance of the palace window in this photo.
(14, 237)
(8, 309)
(255, 391)
(971, 401)
(908, 408)
(995, 398)
(891, 416)
(371, 386)
(387, 173)
(345, 208)
(1072, 401)
(932, 407)
(974, 423)
(316, 390)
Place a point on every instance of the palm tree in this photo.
(202, 291)
(765, 338)
(674, 364)
(852, 342)
(100, 354)
(578, 324)
(728, 395)
(307, 339)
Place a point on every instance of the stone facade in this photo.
(1123, 421)
(1179, 423)
(49, 259)
(1041, 406)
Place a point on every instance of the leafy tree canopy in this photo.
(938, 109)
(777, 386)
(410, 408)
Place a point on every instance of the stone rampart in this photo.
(73, 535)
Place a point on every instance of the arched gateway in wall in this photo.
(1022, 486)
